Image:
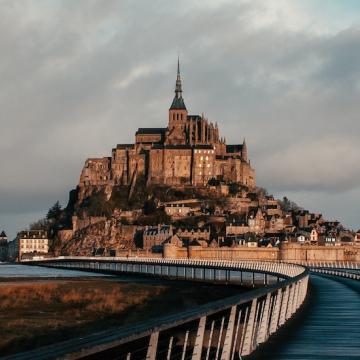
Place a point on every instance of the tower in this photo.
(177, 112)
(244, 152)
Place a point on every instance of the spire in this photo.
(178, 87)
(178, 102)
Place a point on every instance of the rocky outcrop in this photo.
(107, 234)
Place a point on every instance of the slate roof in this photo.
(194, 117)
(234, 148)
(151, 131)
(178, 104)
(125, 146)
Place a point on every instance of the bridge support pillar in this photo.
(296, 297)
(290, 302)
(264, 324)
(152, 348)
(249, 331)
(226, 352)
(284, 304)
(199, 339)
(210, 340)
(276, 312)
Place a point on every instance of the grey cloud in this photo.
(79, 77)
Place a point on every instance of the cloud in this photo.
(79, 77)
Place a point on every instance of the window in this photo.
(201, 158)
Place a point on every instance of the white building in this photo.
(31, 243)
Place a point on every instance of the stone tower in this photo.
(177, 114)
(244, 151)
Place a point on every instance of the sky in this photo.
(79, 77)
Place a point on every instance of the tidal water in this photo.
(26, 271)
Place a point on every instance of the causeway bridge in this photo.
(248, 325)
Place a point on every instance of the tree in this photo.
(149, 207)
(288, 205)
(42, 224)
(54, 213)
(234, 188)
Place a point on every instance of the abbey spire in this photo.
(178, 102)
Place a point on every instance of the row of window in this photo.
(204, 151)
(178, 116)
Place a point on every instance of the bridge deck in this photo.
(331, 328)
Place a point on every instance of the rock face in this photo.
(107, 235)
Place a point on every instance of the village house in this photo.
(237, 226)
(314, 236)
(182, 208)
(256, 221)
(155, 236)
(270, 206)
(331, 239)
(303, 236)
(29, 243)
(188, 234)
(274, 223)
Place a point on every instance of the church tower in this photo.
(177, 112)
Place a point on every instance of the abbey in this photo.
(189, 151)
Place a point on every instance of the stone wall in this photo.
(287, 252)
(238, 253)
(297, 252)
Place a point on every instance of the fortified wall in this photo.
(287, 252)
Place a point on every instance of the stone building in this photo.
(189, 151)
(29, 243)
(3, 246)
(188, 234)
(156, 235)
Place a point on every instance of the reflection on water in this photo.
(14, 271)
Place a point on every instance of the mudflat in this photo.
(38, 312)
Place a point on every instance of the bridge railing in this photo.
(338, 272)
(227, 329)
(355, 265)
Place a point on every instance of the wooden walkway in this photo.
(328, 330)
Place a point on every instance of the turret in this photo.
(244, 152)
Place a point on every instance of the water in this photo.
(26, 271)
